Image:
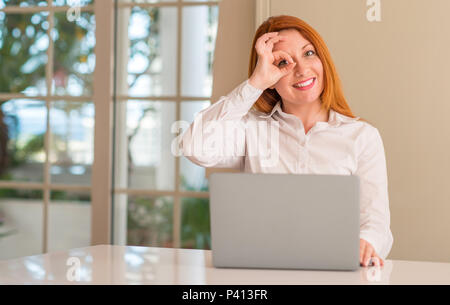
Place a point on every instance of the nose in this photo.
(300, 69)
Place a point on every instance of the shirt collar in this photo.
(335, 118)
(277, 107)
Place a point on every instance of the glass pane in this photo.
(199, 39)
(23, 3)
(195, 224)
(74, 61)
(69, 224)
(72, 142)
(150, 221)
(192, 176)
(151, 51)
(143, 154)
(23, 47)
(21, 225)
(22, 131)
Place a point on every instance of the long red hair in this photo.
(332, 95)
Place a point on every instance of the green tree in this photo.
(15, 47)
(22, 65)
(23, 47)
(195, 219)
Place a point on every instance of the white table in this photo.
(106, 264)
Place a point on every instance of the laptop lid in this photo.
(285, 221)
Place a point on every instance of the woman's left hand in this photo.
(367, 252)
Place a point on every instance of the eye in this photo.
(282, 62)
(311, 52)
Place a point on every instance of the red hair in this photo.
(332, 95)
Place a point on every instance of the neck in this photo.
(309, 113)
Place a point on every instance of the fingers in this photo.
(362, 250)
(264, 38)
(376, 261)
(261, 42)
(286, 69)
(283, 61)
(367, 253)
(367, 256)
(278, 55)
(265, 42)
(272, 41)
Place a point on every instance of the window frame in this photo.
(176, 194)
(46, 186)
(104, 100)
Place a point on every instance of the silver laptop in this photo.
(285, 221)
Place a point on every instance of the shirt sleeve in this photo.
(216, 137)
(374, 199)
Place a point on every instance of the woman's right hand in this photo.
(271, 66)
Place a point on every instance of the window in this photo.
(164, 74)
(55, 98)
(46, 126)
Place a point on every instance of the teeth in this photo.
(300, 85)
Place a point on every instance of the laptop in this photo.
(285, 221)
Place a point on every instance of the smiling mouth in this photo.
(305, 84)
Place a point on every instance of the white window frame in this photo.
(262, 12)
(176, 194)
(46, 186)
(103, 100)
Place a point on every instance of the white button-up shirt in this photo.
(277, 143)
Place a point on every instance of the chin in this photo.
(305, 101)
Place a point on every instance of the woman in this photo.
(293, 85)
